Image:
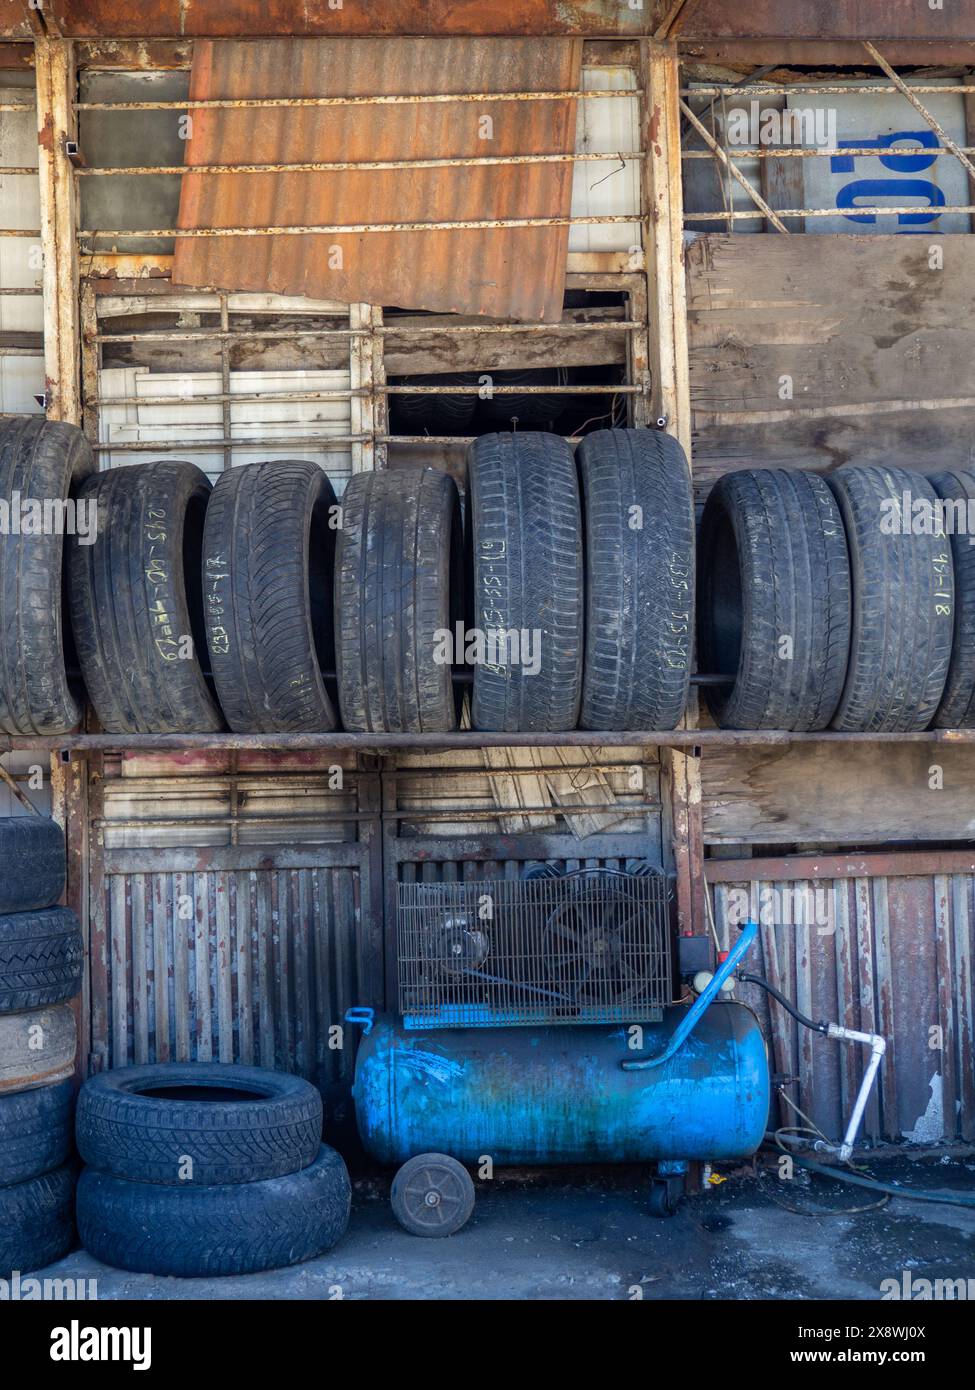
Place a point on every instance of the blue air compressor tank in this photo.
(560, 1095)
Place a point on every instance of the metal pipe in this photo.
(359, 228)
(768, 152)
(723, 214)
(788, 89)
(336, 165)
(697, 1010)
(287, 103)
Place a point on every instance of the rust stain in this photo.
(509, 273)
(45, 136)
(260, 18)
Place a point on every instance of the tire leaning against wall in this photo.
(526, 520)
(41, 461)
(956, 488)
(137, 602)
(774, 600)
(268, 556)
(34, 860)
(903, 603)
(398, 584)
(229, 1229)
(639, 525)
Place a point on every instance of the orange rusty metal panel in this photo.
(823, 19)
(263, 18)
(512, 273)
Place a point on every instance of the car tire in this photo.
(195, 1231)
(145, 1123)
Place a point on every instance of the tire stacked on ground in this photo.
(774, 610)
(41, 962)
(201, 1169)
(42, 466)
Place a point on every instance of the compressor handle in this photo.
(696, 1012)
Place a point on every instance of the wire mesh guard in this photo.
(588, 947)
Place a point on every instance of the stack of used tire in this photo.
(263, 605)
(206, 1169)
(827, 604)
(41, 961)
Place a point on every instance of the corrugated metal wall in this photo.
(231, 913)
(891, 954)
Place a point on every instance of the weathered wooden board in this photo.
(877, 338)
(853, 795)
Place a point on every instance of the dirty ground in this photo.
(588, 1236)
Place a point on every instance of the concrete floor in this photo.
(589, 1236)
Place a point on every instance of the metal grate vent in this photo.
(587, 947)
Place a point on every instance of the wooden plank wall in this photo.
(877, 338)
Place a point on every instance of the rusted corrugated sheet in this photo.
(513, 273)
(238, 18)
(890, 955)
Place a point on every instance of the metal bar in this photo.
(785, 88)
(288, 103)
(722, 214)
(17, 106)
(256, 334)
(733, 170)
(169, 446)
(923, 111)
(359, 391)
(779, 152)
(337, 165)
(573, 738)
(21, 231)
(25, 289)
(358, 228)
(17, 170)
(421, 813)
